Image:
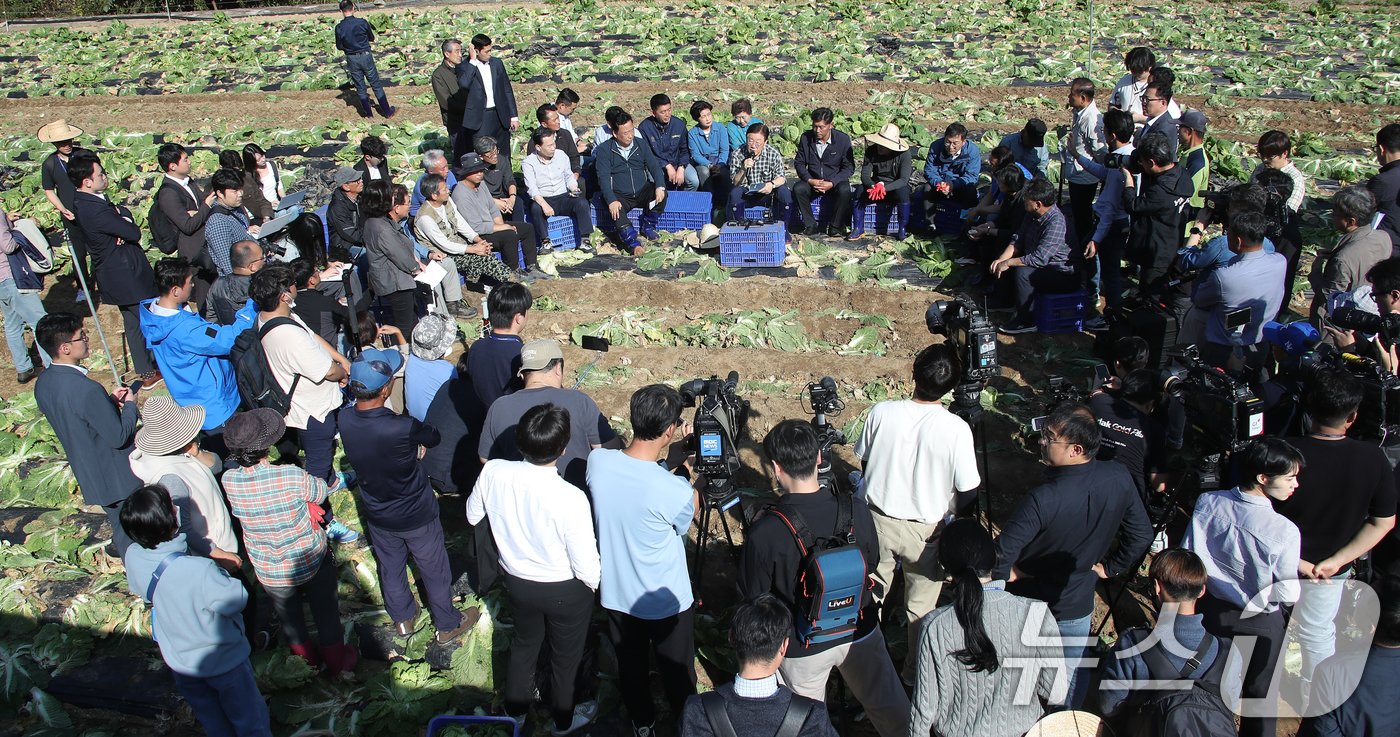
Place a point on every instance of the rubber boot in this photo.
(857, 222)
(627, 238)
(901, 212)
(649, 219)
(385, 108)
(340, 658)
(365, 110)
(307, 651)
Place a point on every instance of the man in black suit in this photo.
(96, 435)
(1155, 100)
(186, 207)
(374, 160)
(824, 165)
(118, 263)
(490, 108)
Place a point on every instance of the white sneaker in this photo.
(80, 297)
(584, 714)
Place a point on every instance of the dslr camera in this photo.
(721, 418)
(1351, 317)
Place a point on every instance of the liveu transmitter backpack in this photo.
(831, 578)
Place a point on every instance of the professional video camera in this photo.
(1118, 161)
(1378, 418)
(825, 402)
(973, 336)
(720, 419)
(1352, 317)
(1221, 409)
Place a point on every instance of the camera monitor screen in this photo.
(711, 445)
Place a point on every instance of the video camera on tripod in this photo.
(721, 417)
(974, 338)
(825, 402)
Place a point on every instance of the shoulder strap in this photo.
(1193, 665)
(845, 518)
(267, 328)
(155, 576)
(798, 709)
(1162, 669)
(717, 714)
(797, 526)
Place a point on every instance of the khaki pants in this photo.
(915, 546)
(867, 669)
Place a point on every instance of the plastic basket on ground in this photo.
(561, 232)
(752, 245)
(438, 724)
(948, 219)
(1061, 313)
(686, 211)
(598, 213)
(875, 213)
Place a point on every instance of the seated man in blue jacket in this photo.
(825, 164)
(192, 351)
(629, 176)
(670, 142)
(952, 168)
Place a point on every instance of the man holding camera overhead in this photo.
(919, 459)
(643, 511)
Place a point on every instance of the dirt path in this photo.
(1350, 126)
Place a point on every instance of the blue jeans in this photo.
(363, 73)
(229, 704)
(1075, 632)
(21, 310)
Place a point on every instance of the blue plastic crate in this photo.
(752, 245)
(1061, 313)
(686, 211)
(755, 212)
(874, 212)
(561, 232)
(598, 212)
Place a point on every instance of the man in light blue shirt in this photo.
(643, 513)
(1253, 279)
(1110, 235)
(1028, 146)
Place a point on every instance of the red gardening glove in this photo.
(877, 192)
(318, 515)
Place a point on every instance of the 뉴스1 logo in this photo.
(841, 603)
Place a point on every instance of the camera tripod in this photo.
(719, 497)
(1159, 521)
(967, 404)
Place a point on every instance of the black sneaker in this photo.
(1016, 328)
(546, 246)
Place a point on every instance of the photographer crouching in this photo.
(1355, 329)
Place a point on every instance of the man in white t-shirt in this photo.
(917, 455)
(310, 371)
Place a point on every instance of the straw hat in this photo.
(59, 130)
(888, 137)
(1070, 724)
(166, 426)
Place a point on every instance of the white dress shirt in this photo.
(542, 524)
(488, 81)
(548, 178)
(185, 184)
(1247, 548)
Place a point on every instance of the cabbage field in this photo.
(75, 653)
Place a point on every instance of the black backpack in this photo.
(1198, 711)
(257, 386)
(164, 234)
(798, 709)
